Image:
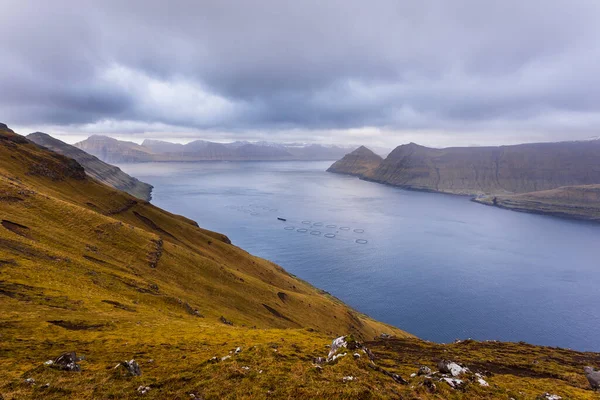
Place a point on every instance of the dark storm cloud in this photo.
(466, 65)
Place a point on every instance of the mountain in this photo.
(360, 162)
(112, 150)
(103, 172)
(117, 151)
(162, 308)
(513, 175)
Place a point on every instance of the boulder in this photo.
(452, 368)
(337, 344)
(548, 396)
(593, 377)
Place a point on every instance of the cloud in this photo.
(467, 70)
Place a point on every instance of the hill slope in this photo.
(360, 162)
(103, 172)
(87, 268)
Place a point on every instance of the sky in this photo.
(382, 73)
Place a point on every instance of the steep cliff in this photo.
(361, 162)
(97, 169)
(491, 170)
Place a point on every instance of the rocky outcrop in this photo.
(97, 169)
(361, 162)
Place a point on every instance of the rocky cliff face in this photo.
(361, 162)
(97, 169)
(491, 170)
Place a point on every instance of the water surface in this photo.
(438, 266)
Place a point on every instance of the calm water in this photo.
(435, 265)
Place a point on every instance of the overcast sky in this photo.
(437, 72)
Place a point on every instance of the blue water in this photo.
(438, 266)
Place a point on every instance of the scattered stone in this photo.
(45, 385)
(454, 383)
(246, 368)
(397, 378)
(481, 381)
(225, 358)
(348, 379)
(548, 396)
(319, 360)
(225, 321)
(385, 336)
(238, 350)
(335, 357)
(49, 363)
(150, 361)
(318, 368)
(260, 372)
(452, 368)
(143, 389)
(30, 381)
(67, 362)
(424, 370)
(337, 344)
(132, 367)
(593, 377)
(356, 355)
(413, 375)
(213, 360)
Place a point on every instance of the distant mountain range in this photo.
(117, 151)
(520, 177)
(103, 172)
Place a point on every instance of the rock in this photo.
(385, 336)
(131, 366)
(593, 377)
(452, 368)
(348, 379)
(424, 370)
(482, 382)
(45, 385)
(335, 357)
(238, 350)
(225, 321)
(413, 375)
(225, 358)
(143, 389)
(337, 344)
(454, 383)
(319, 360)
(548, 396)
(428, 383)
(30, 381)
(213, 360)
(356, 355)
(67, 362)
(246, 368)
(49, 363)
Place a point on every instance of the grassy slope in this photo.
(87, 268)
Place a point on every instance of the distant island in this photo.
(561, 179)
(118, 151)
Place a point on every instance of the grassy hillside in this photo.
(90, 269)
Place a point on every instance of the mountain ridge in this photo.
(106, 173)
